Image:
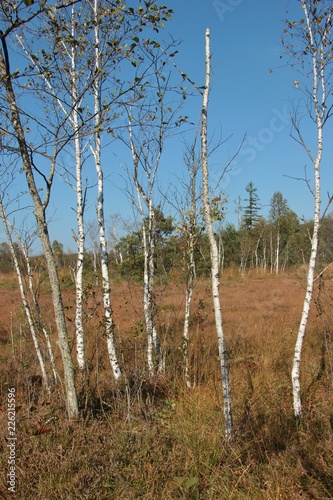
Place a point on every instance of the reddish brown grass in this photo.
(153, 439)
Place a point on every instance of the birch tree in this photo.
(309, 44)
(15, 123)
(117, 39)
(141, 155)
(66, 36)
(277, 214)
(25, 302)
(185, 200)
(76, 103)
(214, 249)
(96, 149)
(190, 232)
(91, 44)
(152, 119)
(31, 287)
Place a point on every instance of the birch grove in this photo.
(84, 88)
(68, 92)
(59, 77)
(109, 53)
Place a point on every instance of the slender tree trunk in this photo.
(147, 303)
(26, 306)
(264, 258)
(148, 246)
(80, 239)
(214, 253)
(296, 382)
(271, 251)
(189, 257)
(34, 298)
(40, 208)
(318, 69)
(147, 290)
(96, 150)
(188, 300)
(303, 324)
(277, 258)
(37, 308)
(256, 253)
(40, 320)
(159, 360)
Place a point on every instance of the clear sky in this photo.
(252, 93)
(247, 97)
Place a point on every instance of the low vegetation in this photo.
(154, 438)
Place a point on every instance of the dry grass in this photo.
(153, 439)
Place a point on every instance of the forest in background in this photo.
(267, 246)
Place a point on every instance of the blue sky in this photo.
(246, 98)
(252, 93)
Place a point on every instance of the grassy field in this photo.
(155, 439)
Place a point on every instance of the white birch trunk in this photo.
(277, 258)
(39, 315)
(96, 151)
(191, 275)
(159, 360)
(296, 382)
(36, 306)
(188, 300)
(256, 253)
(46, 336)
(147, 294)
(24, 300)
(214, 253)
(264, 259)
(80, 239)
(318, 68)
(148, 245)
(271, 250)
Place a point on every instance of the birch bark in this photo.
(25, 303)
(193, 167)
(39, 315)
(69, 52)
(214, 251)
(96, 152)
(319, 62)
(80, 239)
(148, 281)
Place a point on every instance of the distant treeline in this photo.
(264, 245)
